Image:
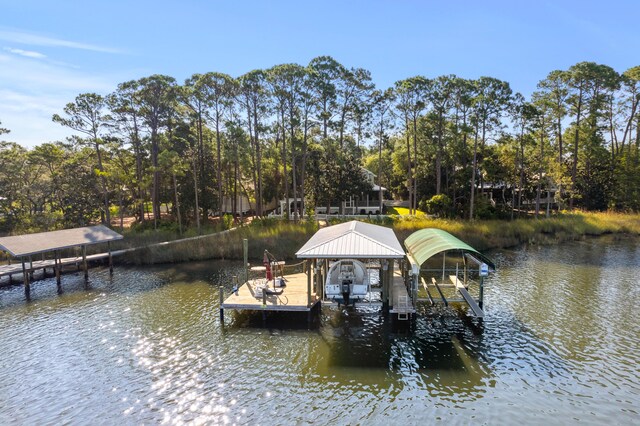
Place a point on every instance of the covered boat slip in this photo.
(353, 243)
(340, 262)
(374, 245)
(25, 247)
(459, 277)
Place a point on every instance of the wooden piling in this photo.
(221, 294)
(264, 304)
(307, 268)
(27, 286)
(481, 298)
(57, 267)
(384, 276)
(44, 269)
(84, 264)
(110, 258)
(31, 268)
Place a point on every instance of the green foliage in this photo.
(438, 205)
(227, 221)
(273, 132)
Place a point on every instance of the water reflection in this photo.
(146, 346)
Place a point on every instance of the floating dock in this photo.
(294, 297)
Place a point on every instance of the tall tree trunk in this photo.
(380, 164)
(234, 204)
(284, 162)
(137, 149)
(576, 141)
(175, 192)
(560, 147)
(541, 162)
(521, 184)
(155, 199)
(474, 164)
(103, 182)
(409, 181)
(195, 191)
(201, 162)
(439, 154)
(256, 131)
(415, 166)
(294, 182)
(303, 166)
(219, 160)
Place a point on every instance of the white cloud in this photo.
(26, 53)
(39, 40)
(32, 91)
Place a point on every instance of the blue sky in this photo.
(50, 51)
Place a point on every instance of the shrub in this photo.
(439, 205)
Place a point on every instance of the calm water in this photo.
(560, 344)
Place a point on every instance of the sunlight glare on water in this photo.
(559, 344)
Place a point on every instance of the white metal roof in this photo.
(24, 245)
(352, 240)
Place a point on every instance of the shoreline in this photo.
(284, 239)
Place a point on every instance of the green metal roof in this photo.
(428, 242)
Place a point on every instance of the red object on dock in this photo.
(267, 264)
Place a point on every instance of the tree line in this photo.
(456, 147)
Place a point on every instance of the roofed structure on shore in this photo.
(355, 240)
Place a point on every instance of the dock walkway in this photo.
(401, 302)
(16, 268)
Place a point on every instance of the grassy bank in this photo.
(489, 234)
(283, 238)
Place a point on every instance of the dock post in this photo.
(27, 286)
(245, 253)
(316, 278)
(466, 268)
(57, 264)
(481, 301)
(84, 264)
(44, 268)
(31, 268)
(385, 284)
(110, 258)
(307, 267)
(221, 292)
(264, 305)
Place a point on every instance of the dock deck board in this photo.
(293, 297)
(399, 293)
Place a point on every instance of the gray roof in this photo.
(352, 240)
(24, 245)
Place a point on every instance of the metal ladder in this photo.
(403, 307)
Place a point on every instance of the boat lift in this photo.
(423, 245)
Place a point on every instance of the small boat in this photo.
(347, 281)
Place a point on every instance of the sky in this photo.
(51, 51)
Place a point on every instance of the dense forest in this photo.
(452, 146)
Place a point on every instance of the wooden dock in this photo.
(401, 303)
(294, 298)
(16, 268)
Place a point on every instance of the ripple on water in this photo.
(559, 340)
